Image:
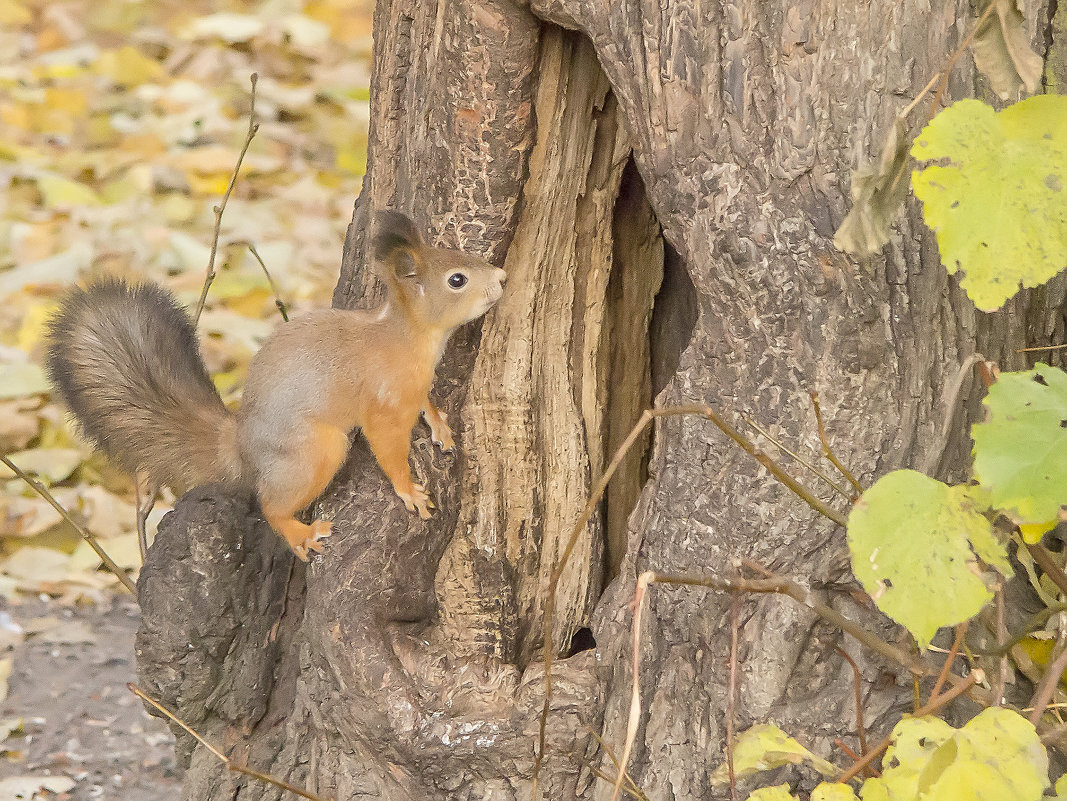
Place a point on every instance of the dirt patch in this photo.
(68, 681)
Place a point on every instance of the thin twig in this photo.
(933, 706)
(827, 451)
(908, 109)
(1045, 561)
(1040, 347)
(631, 785)
(627, 787)
(594, 498)
(90, 538)
(780, 584)
(229, 763)
(634, 718)
(932, 464)
(943, 83)
(775, 584)
(870, 770)
(145, 496)
(1045, 690)
(253, 126)
(857, 684)
(1002, 635)
(1025, 631)
(731, 698)
(778, 444)
(282, 310)
(961, 631)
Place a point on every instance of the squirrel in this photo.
(126, 361)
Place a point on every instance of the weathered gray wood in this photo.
(404, 659)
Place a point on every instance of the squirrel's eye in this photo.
(457, 280)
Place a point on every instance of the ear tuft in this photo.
(394, 231)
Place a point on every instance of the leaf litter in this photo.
(120, 126)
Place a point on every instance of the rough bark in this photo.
(403, 662)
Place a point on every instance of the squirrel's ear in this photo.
(394, 231)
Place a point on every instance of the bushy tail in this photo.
(126, 360)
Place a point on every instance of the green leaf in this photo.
(997, 755)
(1002, 50)
(987, 546)
(1020, 452)
(765, 747)
(833, 792)
(779, 792)
(911, 538)
(999, 204)
(878, 192)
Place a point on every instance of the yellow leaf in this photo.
(177, 208)
(16, 115)
(127, 66)
(14, 13)
(210, 184)
(1033, 532)
(352, 158)
(62, 111)
(1039, 650)
(62, 193)
(34, 322)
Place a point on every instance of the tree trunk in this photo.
(662, 182)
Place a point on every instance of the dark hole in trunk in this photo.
(651, 311)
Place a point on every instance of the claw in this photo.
(417, 501)
(320, 530)
(440, 432)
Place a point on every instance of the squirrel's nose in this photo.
(501, 276)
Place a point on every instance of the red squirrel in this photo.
(126, 360)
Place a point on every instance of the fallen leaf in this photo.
(229, 27)
(69, 632)
(36, 568)
(9, 726)
(60, 192)
(22, 516)
(26, 788)
(6, 665)
(124, 552)
(127, 66)
(51, 465)
(19, 423)
(20, 380)
(14, 13)
(11, 633)
(58, 270)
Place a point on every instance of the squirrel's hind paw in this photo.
(417, 501)
(317, 531)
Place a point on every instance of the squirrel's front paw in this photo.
(317, 531)
(417, 500)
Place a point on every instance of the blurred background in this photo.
(120, 125)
